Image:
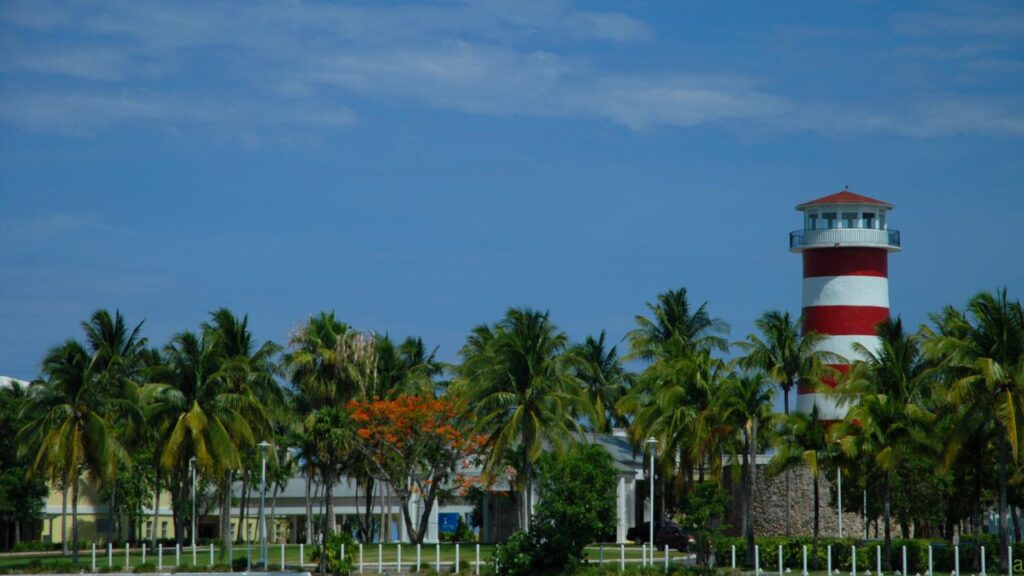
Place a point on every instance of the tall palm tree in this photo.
(744, 403)
(803, 440)
(888, 417)
(196, 412)
(787, 357)
(672, 320)
(330, 434)
(517, 376)
(68, 427)
(605, 381)
(981, 355)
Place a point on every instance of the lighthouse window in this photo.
(849, 219)
(828, 219)
(869, 219)
(812, 221)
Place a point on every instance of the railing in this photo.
(820, 238)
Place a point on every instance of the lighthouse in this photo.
(845, 243)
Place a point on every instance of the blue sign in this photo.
(448, 522)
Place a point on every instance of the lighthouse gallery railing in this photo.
(844, 237)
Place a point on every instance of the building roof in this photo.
(844, 197)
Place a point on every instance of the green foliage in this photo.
(146, 568)
(577, 506)
(335, 563)
(704, 508)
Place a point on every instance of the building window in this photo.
(849, 219)
(869, 219)
(812, 221)
(828, 219)
(163, 529)
(881, 220)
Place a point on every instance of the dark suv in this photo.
(670, 533)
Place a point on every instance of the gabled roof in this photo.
(844, 197)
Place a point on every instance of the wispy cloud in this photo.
(301, 66)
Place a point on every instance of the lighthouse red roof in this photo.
(844, 197)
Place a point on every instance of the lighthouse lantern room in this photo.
(845, 244)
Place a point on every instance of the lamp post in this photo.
(192, 466)
(651, 441)
(263, 511)
(839, 497)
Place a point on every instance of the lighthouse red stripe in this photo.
(843, 320)
(846, 262)
(808, 388)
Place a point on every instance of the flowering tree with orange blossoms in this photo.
(415, 443)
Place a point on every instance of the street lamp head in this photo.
(650, 440)
(264, 445)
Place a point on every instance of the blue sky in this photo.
(419, 168)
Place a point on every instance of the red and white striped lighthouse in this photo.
(845, 244)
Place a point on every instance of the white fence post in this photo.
(733, 556)
(622, 557)
(757, 560)
(110, 555)
(643, 554)
(399, 562)
(177, 555)
(437, 555)
(302, 556)
(160, 556)
(878, 560)
(956, 559)
(143, 552)
(282, 556)
(853, 551)
(211, 553)
(666, 558)
(905, 573)
(93, 556)
(360, 557)
(127, 556)
(417, 557)
(930, 573)
(829, 564)
(780, 559)
(982, 560)
(456, 557)
(478, 557)
(1009, 569)
(380, 557)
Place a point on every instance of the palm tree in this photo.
(331, 437)
(981, 357)
(68, 427)
(196, 411)
(672, 320)
(517, 376)
(787, 357)
(888, 418)
(604, 379)
(802, 440)
(744, 403)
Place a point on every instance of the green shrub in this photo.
(35, 546)
(335, 563)
(145, 568)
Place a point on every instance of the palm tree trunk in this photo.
(273, 512)
(74, 516)
(1004, 560)
(1016, 523)
(785, 397)
(243, 503)
(111, 532)
(309, 505)
(817, 517)
(527, 481)
(888, 536)
(748, 495)
(328, 490)
(64, 514)
(156, 500)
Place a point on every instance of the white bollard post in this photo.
(757, 560)
(143, 552)
(956, 559)
(110, 555)
(160, 556)
(417, 557)
(211, 553)
(93, 556)
(733, 556)
(437, 556)
(828, 565)
(194, 561)
(282, 557)
(804, 573)
(666, 558)
(302, 556)
(399, 562)
(456, 558)
(127, 556)
(341, 551)
(360, 557)
(905, 573)
(878, 560)
(380, 557)
(478, 557)
(177, 555)
(780, 559)
(930, 573)
(982, 560)
(853, 553)
(1009, 556)
(643, 554)
(622, 557)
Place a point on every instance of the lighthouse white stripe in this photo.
(843, 346)
(846, 291)
(828, 407)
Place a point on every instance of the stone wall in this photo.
(770, 506)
